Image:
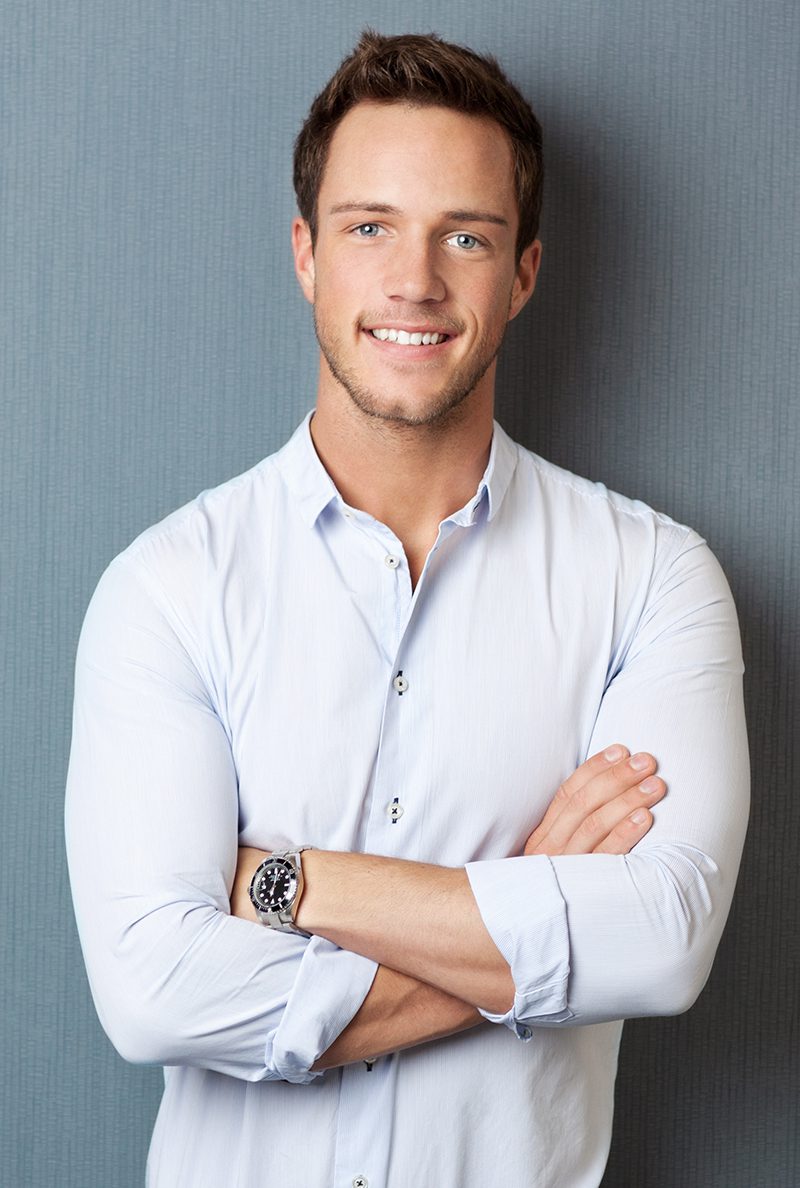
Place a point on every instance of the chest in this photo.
(435, 728)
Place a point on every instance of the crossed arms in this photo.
(437, 962)
(573, 936)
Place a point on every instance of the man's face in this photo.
(417, 222)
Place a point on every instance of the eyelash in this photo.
(363, 227)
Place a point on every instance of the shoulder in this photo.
(234, 508)
(586, 515)
(172, 572)
(619, 550)
(564, 490)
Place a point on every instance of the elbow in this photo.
(141, 1030)
(677, 984)
(647, 947)
(686, 911)
(149, 991)
(136, 1046)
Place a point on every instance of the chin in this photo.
(437, 408)
(434, 411)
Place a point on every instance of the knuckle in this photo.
(580, 801)
(562, 795)
(590, 827)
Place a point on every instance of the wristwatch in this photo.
(275, 890)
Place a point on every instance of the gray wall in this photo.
(153, 344)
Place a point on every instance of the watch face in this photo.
(275, 886)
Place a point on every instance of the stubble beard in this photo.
(441, 408)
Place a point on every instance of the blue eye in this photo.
(464, 241)
(367, 230)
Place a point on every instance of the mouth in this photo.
(409, 337)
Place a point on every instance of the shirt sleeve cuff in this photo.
(330, 986)
(526, 917)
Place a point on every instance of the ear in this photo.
(525, 277)
(303, 257)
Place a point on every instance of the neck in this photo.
(410, 477)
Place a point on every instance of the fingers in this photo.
(593, 810)
(596, 765)
(627, 833)
(606, 828)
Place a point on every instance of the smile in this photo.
(407, 338)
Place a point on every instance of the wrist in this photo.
(307, 914)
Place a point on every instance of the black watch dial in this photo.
(275, 886)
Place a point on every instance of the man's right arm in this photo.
(152, 840)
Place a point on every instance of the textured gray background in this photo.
(153, 344)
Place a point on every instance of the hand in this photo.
(603, 808)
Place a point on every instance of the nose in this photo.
(413, 272)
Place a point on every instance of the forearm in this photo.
(399, 1012)
(418, 919)
(423, 920)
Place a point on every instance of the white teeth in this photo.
(406, 338)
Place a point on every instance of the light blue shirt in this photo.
(257, 670)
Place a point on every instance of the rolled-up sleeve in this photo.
(152, 840)
(591, 938)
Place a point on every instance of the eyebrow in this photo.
(457, 216)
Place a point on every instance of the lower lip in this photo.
(402, 351)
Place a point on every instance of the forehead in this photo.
(397, 153)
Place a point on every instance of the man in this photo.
(391, 642)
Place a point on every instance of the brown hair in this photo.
(422, 70)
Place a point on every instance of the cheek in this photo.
(341, 289)
(495, 305)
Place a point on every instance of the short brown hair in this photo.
(422, 70)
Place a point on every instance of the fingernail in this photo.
(649, 786)
(614, 753)
(639, 817)
(639, 762)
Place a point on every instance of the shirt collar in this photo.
(313, 488)
(304, 474)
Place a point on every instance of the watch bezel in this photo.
(287, 899)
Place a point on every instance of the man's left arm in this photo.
(643, 930)
(553, 937)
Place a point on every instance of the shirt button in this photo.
(391, 561)
(395, 811)
(525, 1033)
(361, 1182)
(400, 683)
